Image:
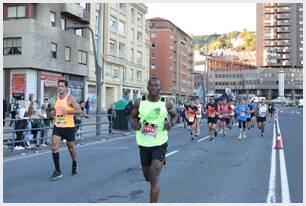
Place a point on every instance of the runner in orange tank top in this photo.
(65, 107)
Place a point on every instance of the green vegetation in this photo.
(223, 41)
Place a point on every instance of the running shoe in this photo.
(244, 136)
(212, 139)
(240, 136)
(74, 171)
(56, 175)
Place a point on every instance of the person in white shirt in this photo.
(261, 114)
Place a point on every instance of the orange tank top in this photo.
(62, 120)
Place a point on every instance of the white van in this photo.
(300, 104)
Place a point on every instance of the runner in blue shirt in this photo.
(242, 110)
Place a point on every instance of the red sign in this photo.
(18, 84)
(51, 79)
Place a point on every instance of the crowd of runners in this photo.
(222, 115)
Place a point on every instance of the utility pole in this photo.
(99, 70)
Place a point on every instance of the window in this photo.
(67, 53)
(153, 45)
(79, 32)
(139, 76)
(121, 28)
(153, 35)
(12, 46)
(121, 50)
(63, 24)
(52, 18)
(132, 36)
(82, 57)
(153, 66)
(139, 57)
(83, 5)
(53, 50)
(153, 55)
(132, 55)
(16, 12)
(113, 6)
(113, 24)
(122, 8)
(139, 19)
(112, 47)
(139, 38)
(133, 16)
(131, 75)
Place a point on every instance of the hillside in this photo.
(244, 41)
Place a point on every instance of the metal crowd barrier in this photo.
(10, 136)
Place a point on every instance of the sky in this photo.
(206, 18)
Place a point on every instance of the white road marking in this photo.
(64, 148)
(283, 171)
(281, 111)
(171, 153)
(272, 182)
(200, 140)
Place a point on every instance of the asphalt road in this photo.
(227, 170)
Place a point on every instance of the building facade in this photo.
(171, 58)
(280, 43)
(124, 52)
(240, 78)
(280, 35)
(38, 50)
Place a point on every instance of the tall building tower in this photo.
(280, 35)
(171, 58)
(279, 44)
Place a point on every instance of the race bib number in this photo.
(149, 131)
(190, 119)
(60, 120)
(199, 115)
(242, 113)
(262, 114)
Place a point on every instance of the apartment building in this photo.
(171, 58)
(280, 42)
(124, 52)
(38, 50)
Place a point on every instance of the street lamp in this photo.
(98, 75)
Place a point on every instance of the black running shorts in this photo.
(67, 133)
(261, 119)
(212, 120)
(147, 154)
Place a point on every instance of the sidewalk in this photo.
(87, 137)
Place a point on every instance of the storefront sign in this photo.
(50, 79)
(18, 84)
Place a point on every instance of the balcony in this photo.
(75, 11)
(286, 63)
(283, 10)
(284, 4)
(270, 10)
(284, 43)
(283, 16)
(283, 36)
(286, 56)
(284, 30)
(283, 23)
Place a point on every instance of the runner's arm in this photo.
(76, 107)
(173, 115)
(134, 115)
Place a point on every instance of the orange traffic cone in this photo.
(278, 144)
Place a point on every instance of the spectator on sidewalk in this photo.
(41, 117)
(87, 106)
(78, 120)
(20, 124)
(128, 111)
(4, 111)
(35, 123)
(111, 115)
(14, 106)
(48, 123)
